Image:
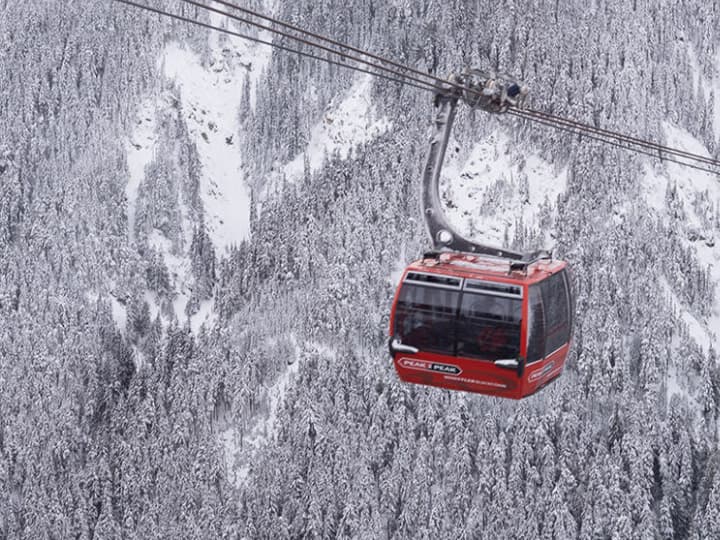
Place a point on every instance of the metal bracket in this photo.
(443, 236)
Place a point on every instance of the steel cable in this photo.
(518, 113)
(556, 122)
(439, 82)
(270, 43)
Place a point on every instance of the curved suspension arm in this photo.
(442, 234)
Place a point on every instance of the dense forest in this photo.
(118, 426)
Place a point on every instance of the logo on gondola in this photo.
(540, 373)
(424, 365)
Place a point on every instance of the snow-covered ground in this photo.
(140, 152)
(692, 186)
(677, 385)
(240, 448)
(211, 96)
(344, 126)
(698, 331)
(486, 195)
(118, 310)
(204, 316)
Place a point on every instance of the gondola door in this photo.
(423, 328)
(489, 337)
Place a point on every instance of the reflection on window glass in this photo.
(567, 277)
(425, 318)
(536, 326)
(557, 317)
(489, 327)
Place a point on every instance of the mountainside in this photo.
(200, 239)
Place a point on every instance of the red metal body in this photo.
(456, 372)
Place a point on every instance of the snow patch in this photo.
(210, 100)
(679, 138)
(490, 192)
(700, 83)
(182, 281)
(119, 313)
(241, 447)
(118, 310)
(231, 440)
(205, 316)
(674, 388)
(343, 127)
(695, 191)
(152, 302)
(697, 330)
(211, 96)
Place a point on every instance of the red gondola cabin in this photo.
(474, 323)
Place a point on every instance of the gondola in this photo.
(471, 317)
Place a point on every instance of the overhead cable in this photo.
(439, 82)
(641, 146)
(268, 43)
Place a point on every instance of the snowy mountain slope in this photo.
(689, 200)
(93, 446)
(211, 95)
(492, 193)
(344, 126)
(242, 446)
(347, 123)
